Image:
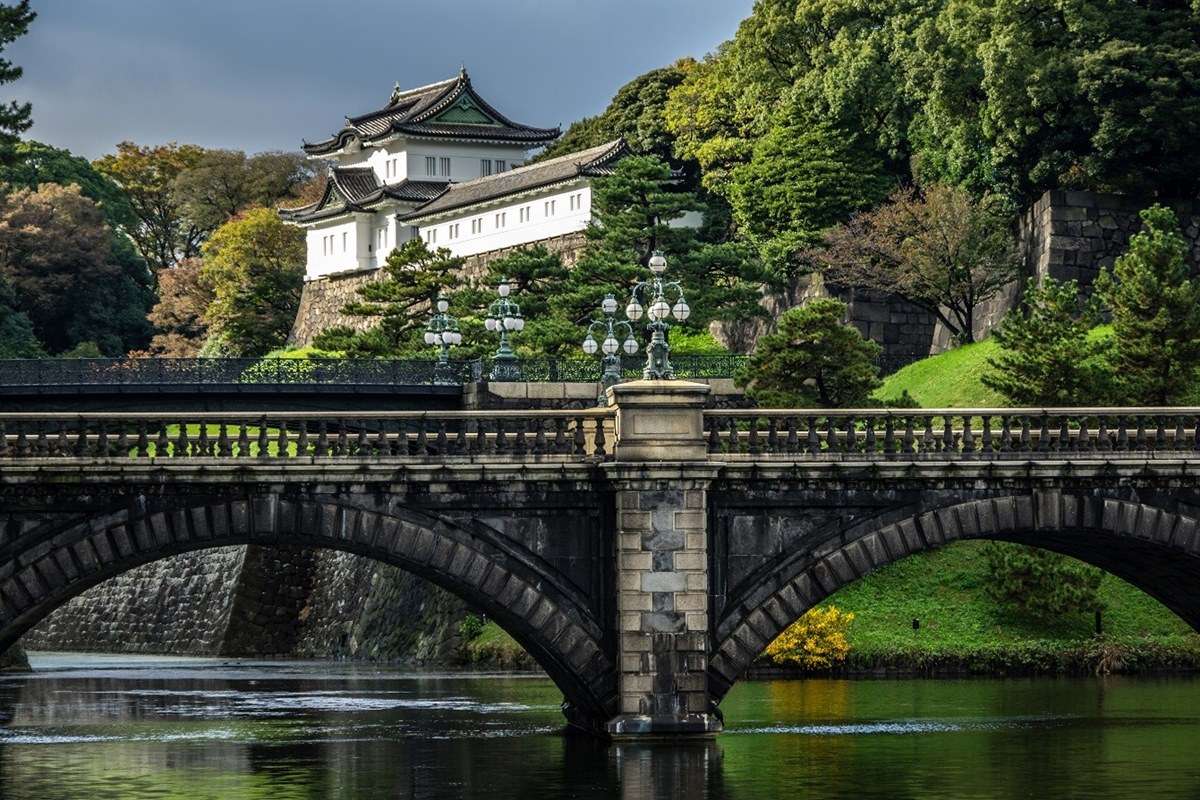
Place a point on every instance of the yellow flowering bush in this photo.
(815, 641)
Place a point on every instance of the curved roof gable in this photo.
(449, 109)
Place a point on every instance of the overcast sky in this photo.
(263, 74)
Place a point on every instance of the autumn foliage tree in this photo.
(937, 248)
(179, 315)
(56, 254)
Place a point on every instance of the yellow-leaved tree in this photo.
(815, 641)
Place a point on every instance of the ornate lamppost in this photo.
(611, 360)
(654, 292)
(442, 331)
(504, 316)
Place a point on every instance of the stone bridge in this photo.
(644, 553)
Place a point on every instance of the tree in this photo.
(148, 174)
(14, 117)
(1022, 97)
(116, 312)
(179, 315)
(840, 61)
(632, 214)
(17, 339)
(413, 278)
(255, 266)
(1155, 311)
(804, 176)
(636, 114)
(223, 182)
(813, 359)
(536, 274)
(1047, 356)
(938, 249)
(34, 164)
(1040, 583)
(56, 253)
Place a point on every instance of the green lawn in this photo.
(946, 591)
(952, 379)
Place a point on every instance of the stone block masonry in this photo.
(323, 299)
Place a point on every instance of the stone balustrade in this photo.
(438, 435)
(1018, 433)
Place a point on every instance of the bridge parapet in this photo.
(438, 435)
(950, 434)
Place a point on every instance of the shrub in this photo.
(815, 641)
(471, 626)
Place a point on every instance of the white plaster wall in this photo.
(540, 226)
(345, 247)
(464, 159)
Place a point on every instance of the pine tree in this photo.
(14, 117)
(1155, 310)
(1041, 583)
(414, 276)
(633, 210)
(1047, 357)
(813, 359)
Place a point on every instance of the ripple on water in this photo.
(902, 727)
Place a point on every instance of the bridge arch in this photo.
(1153, 548)
(44, 567)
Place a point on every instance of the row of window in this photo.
(439, 166)
(329, 243)
(500, 219)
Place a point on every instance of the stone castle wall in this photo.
(257, 601)
(323, 299)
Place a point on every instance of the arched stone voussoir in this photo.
(517, 590)
(1155, 549)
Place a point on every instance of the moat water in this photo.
(87, 727)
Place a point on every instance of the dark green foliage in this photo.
(805, 175)
(35, 163)
(471, 626)
(115, 315)
(632, 210)
(1048, 358)
(536, 275)
(998, 96)
(17, 339)
(1155, 311)
(813, 359)
(1040, 583)
(414, 277)
(636, 114)
(14, 117)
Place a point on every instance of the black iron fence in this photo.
(326, 372)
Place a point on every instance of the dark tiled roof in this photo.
(356, 183)
(414, 111)
(357, 189)
(591, 162)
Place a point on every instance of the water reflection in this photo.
(140, 728)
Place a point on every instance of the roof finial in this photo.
(396, 92)
(462, 70)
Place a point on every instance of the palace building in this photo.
(441, 163)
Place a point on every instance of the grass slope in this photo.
(945, 589)
(953, 379)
